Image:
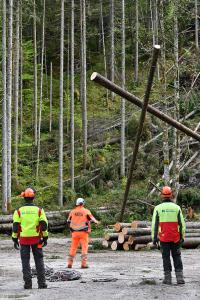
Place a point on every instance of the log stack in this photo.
(57, 221)
(137, 236)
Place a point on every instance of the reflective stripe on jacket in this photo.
(168, 224)
(79, 219)
(28, 219)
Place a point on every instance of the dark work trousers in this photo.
(175, 250)
(39, 263)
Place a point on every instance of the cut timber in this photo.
(111, 236)
(131, 240)
(140, 224)
(140, 247)
(191, 243)
(126, 246)
(106, 244)
(122, 238)
(142, 239)
(116, 246)
(192, 230)
(194, 234)
(5, 227)
(192, 225)
(136, 231)
(119, 226)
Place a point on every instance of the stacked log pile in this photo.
(137, 235)
(57, 221)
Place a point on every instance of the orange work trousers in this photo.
(79, 237)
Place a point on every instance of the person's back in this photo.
(30, 231)
(168, 228)
(79, 222)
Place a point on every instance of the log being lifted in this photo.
(133, 99)
(119, 226)
(137, 231)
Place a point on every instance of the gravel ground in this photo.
(137, 275)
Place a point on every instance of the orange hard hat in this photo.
(28, 193)
(166, 192)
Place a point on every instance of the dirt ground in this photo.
(138, 275)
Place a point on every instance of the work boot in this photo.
(28, 285)
(42, 286)
(84, 266)
(167, 277)
(70, 261)
(179, 277)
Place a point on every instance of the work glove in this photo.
(16, 243)
(157, 244)
(44, 241)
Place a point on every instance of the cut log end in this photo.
(93, 76)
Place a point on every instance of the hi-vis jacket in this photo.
(29, 224)
(79, 219)
(168, 224)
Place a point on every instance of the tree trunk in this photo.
(116, 246)
(103, 44)
(166, 174)
(72, 95)
(111, 236)
(176, 134)
(41, 93)
(21, 74)
(136, 41)
(140, 224)
(4, 113)
(122, 238)
(35, 75)
(9, 100)
(60, 178)
(83, 82)
(50, 99)
(16, 92)
(123, 100)
(196, 25)
(112, 45)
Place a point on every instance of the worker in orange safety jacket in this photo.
(79, 222)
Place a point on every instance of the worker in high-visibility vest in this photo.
(79, 221)
(30, 231)
(168, 229)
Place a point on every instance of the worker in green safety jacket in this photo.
(30, 231)
(168, 229)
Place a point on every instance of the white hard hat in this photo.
(80, 201)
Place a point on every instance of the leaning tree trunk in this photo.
(4, 114)
(60, 177)
(72, 95)
(41, 94)
(16, 92)
(9, 100)
(123, 100)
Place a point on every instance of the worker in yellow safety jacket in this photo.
(79, 221)
(30, 231)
